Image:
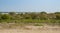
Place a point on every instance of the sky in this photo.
(29, 5)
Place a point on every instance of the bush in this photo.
(5, 17)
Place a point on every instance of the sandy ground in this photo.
(33, 29)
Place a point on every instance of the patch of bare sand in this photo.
(33, 29)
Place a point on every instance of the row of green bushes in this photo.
(33, 17)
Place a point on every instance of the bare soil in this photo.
(32, 29)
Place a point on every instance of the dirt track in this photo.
(32, 29)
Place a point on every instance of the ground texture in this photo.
(32, 29)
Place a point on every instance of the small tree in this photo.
(58, 17)
(12, 13)
(5, 17)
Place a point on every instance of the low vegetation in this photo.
(30, 17)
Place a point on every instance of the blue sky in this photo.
(30, 5)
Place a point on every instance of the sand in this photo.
(33, 29)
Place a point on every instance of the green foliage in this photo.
(5, 17)
(58, 16)
(12, 13)
(38, 24)
(32, 17)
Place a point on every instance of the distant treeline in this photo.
(29, 16)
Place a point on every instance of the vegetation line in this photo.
(30, 17)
